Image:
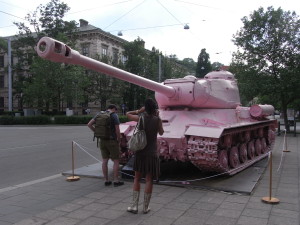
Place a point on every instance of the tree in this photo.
(216, 66)
(269, 49)
(203, 64)
(133, 95)
(47, 85)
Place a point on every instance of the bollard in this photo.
(285, 142)
(73, 178)
(278, 130)
(270, 199)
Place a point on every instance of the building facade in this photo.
(91, 42)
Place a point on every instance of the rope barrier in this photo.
(282, 153)
(187, 182)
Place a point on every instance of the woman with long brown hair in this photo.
(146, 161)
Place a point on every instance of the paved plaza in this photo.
(53, 200)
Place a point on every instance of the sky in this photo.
(160, 23)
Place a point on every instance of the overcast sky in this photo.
(160, 23)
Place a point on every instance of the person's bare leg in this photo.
(116, 170)
(105, 169)
(136, 182)
(147, 193)
(149, 183)
(133, 208)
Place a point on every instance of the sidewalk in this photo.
(55, 201)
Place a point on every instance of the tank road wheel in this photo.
(250, 150)
(234, 157)
(227, 141)
(263, 145)
(260, 132)
(243, 152)
(257, 147)
(247, 136)
(271, 136)
(223, 160)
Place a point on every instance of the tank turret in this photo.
(203, 119)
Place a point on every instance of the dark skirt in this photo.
(147, 164)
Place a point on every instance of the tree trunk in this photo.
(285, 117)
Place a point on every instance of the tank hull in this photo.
(219, 140)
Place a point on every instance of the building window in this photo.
(1, 81)
(123, 59)
(1, 103)
(1, 60)
(85, 50)
(115, 56)
(104, 50)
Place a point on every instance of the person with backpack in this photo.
(146, 161)
(105, 126)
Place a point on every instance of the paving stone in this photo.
(279, 220)
(51, 214)
(157, 220)
(220, 220)
(205, 206)
(285, 213)
(109, 214)
(69, 207)
(259, 205)
(231, 213)
(237, 198)
(80, 214)
(15, 217)
(246, 220)
(232, 205)
(256, 213)
(178, 205)
(200, 214)
(31, 221)
(96, 206)
(4, 223)
(94, 221)
(169, 213)
(63, 221)
(128, 219)
(110, 200)
(287, 206)
(83, 201)
(187, 220)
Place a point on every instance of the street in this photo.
(29, 153)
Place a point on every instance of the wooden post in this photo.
(73, 177)
(270, 199)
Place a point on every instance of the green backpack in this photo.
(102, 126)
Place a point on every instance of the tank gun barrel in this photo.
(57, 51)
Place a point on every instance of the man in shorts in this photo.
(110, 147)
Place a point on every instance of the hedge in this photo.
(44, 120)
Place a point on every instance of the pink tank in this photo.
(203, 119)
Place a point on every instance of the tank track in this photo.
(235, 150)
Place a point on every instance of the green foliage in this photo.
(268, 57)
(28, 120)
(203, 64)
(3, 44)
(44, 120)
(72, 119)
(49, 84)
(216, 66)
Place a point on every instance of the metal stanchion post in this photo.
(73, 178)
(285, 141)
(270, 199)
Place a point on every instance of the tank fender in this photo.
(202, 131)
(125, 128)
